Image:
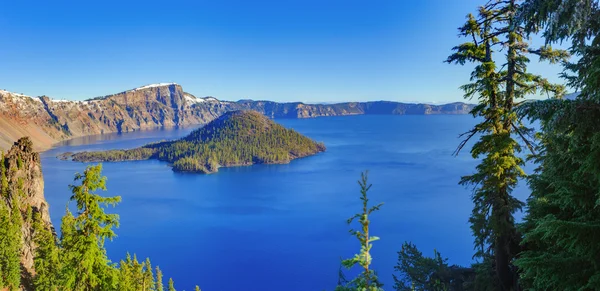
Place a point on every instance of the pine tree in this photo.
(420, 273)
(367, 280)
(137, 273)
(171, 285)
(10, 247)
(499, 89)
(87, 266)
(47, 257)
(126, 277)
(159, 280)
(148, 283)
(562, 225)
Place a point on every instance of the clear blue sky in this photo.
(286, 50)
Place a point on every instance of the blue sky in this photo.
(286, 50)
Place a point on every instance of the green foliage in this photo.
(127, 275)
(486, 278)
(148, 283)
(561, 230)
(420, 273)
(575, 21)
(10, 232)
(562, 226)
(499, 87)
(78, 261)
(86, 264)
(10, 246)
(136, 154)
(135, 276)
(367, 280)
(236, 138)
(159, 280)
(46, 258)
(171, 285)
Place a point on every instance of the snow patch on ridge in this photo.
(19, 96)
(154, 85)
(15, 94)
(192, 99)
(195, 100)
(210, 99)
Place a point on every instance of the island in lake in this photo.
(237, 138)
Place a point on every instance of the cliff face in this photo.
(47, 121)
(162, 105)
(25, 181)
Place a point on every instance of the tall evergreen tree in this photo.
(137, 273)
(498, 87)
(126, 277)
(159, 280)
(562, 226)
(367, 280)
(87, 266)
(171, 285)
(10, 246)
(46, 258)
(148, 282)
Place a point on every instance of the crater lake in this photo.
(283, 227)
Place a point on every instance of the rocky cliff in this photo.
(48, 121)
(25, 187)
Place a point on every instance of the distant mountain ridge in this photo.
(48, 121)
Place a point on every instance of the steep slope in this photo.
(22, 115)
(236, 138)
(25, 186)
(48, 121)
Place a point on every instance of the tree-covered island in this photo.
(237, 138)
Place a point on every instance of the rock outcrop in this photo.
(25, 180)
(48, 121)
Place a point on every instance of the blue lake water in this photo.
(283, 227)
